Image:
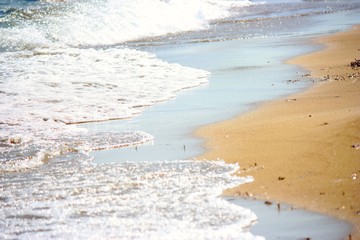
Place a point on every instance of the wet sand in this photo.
(302, 150)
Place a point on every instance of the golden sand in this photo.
(303, 150)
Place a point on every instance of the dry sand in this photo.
(303, 150)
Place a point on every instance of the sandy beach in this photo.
(303, 150)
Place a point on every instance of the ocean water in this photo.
(66, 63)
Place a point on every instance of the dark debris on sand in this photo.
(355, 64)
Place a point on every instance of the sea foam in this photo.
(106, 22)
(61, 63)
(65, 62)
(139, 200)
(43, 91)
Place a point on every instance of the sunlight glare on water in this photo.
(144, 200)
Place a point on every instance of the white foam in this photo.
(44, 90)
(74, 85)
(102, 22)
(48, 82)
(140, 200)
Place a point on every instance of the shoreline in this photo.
(307, 133)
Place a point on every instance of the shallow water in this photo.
(238, 80)
(289, 223)
(134, 200)
(97, 60)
